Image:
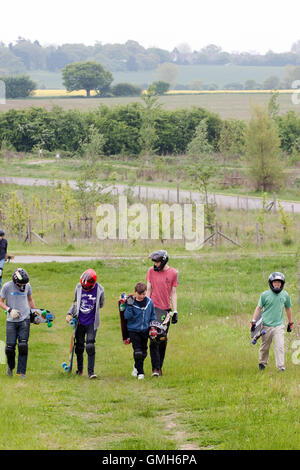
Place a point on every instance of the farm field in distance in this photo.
(227, 105)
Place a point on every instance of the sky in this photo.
(234, 25)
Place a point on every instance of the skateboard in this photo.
(258, 331)
(41, 315)
(122, 306)
(67, 366)
(163, 316)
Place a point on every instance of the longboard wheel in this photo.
(65, 366)
(263, 332)
(253, 341)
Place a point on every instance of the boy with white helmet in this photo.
(271, 305)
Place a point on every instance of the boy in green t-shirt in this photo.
(271, 305)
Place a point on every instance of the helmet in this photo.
(2, 233)
(20, 278)
(277, 276)
(88, 279)
(157, 332)
(161, 256)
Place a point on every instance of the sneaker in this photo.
(160, 372)
(140, 376)
(134, 372)
(261, 366)
(282, 369)
(9, 372)
(79, 372)
(155, 373)
(92, 376)
(21, 376)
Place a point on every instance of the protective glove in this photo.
(130, 300)
(36, 320)
(126, 341)
(290, 327)
(13, 313)
(174, 317)
(252, 325)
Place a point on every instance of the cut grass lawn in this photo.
(211, 394)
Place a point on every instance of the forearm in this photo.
(3, 304)
(174, 301)
(256, 313)
(289, 315)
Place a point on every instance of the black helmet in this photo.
(157, 333)
(277, 276)
(20, 278)
(161, 256)
(2, 233)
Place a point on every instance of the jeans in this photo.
(17, 332)
(88, 334)
(139, 342)
(2, 262)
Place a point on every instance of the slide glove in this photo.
(252, 325)
(290, 327)
(174, 317)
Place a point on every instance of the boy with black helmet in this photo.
(16, 299)
(161, 288)
(3, 254)
(271, 305)
(88, 299)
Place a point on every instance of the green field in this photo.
(211, 396)
(221, 75)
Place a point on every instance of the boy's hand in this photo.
(130, 299)
(69, 318)
(252, 325)
(290, 327)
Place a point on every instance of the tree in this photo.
(18, 87)
(160, 87)
(87, 76)
(271, 83)
(167, 72)
(199, 145)
(263, 151)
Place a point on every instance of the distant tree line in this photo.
(24, 55)
(128, 129)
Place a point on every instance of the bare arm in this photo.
(31, 301)
(174, 298)
(289, 314)
(257, 312)
(3, 304)
(149, 289)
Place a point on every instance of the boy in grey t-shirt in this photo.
(16, 298)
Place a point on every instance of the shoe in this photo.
(140, 376)
(9, 372)
(79, 372)
(282, 369)
(134, 372)
(21, 376)
(261, 366)
(92, 376)
(160, 372)
(155, 373)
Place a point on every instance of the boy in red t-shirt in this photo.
(161, 288)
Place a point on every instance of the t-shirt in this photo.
(14, 298)
(87, 309)
(162, 283)
(273, 306)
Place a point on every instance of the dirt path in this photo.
(164, 194)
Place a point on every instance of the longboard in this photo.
(258, 331)
(123, 321)
(41, 315)
(67, 366)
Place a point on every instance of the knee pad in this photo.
(138, 355)
(10, 350)
(90, 349)
(23, 348)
